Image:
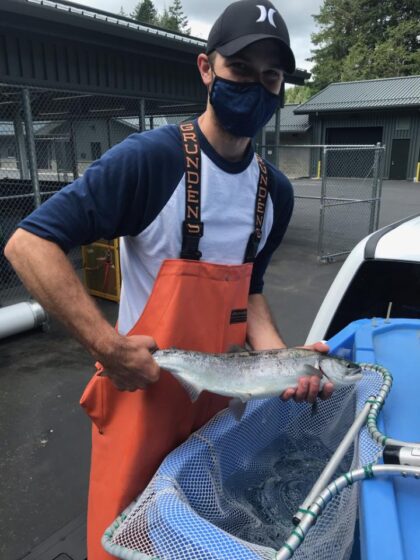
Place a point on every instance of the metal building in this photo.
(368, 112)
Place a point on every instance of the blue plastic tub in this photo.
(390, 508)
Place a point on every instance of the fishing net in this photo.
(231, 490)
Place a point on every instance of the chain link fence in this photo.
(337, 194)
(49, 138)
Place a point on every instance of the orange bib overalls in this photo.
(193, 305)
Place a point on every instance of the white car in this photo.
(380, 277)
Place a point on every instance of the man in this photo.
(200, 216)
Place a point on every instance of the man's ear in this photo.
(205, 69)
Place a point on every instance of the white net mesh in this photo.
(231, 490)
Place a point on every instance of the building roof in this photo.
(121, 28)
(387, 93)
(289, 121)
(96, 14)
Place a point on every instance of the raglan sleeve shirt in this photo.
(122, 193)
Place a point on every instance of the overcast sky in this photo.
(202, 14)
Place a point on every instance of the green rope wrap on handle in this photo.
(289, 548)
(368, 470)
(349, 478)
(308, 511)
(378, 402)
(299, 536)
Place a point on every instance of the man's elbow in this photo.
(20, 241)
(11, 247)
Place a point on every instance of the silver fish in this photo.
(245, 375)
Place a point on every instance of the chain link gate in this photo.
(337, 194)
(48, 138)
(351, 189)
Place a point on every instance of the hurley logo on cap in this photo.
(266, 14)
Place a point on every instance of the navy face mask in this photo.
(242, 108)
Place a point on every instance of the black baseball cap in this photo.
(248, 21)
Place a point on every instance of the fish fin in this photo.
(238, 407)
(310, 370)
(236, 349)
(192, 390)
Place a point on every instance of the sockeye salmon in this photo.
(245, 375)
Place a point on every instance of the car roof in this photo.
(399, 241)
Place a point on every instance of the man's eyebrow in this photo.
(243, 57)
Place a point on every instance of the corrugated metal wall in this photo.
(389, 121)
(48, 62)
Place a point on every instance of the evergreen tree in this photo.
(145, 12)
(167, 22)
(174, 18)
(297, 94)
(365, 39)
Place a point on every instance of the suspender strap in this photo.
(260, 203)
(192, 227)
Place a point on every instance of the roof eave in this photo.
(302, 111)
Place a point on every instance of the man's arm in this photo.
(262, 334)
(50, 278)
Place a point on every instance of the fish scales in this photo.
(246, 375)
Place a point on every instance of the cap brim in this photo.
(287, 58)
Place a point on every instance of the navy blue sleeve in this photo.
(281, 192)
(120, 194)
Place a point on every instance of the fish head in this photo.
(340, 371)
(170, 359)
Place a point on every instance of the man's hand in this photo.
(308, 387)
(130, 365)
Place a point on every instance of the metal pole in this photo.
(381, 158)
(264, 142)
(374, 193)
(322, 203)
(108, 133)
(277, 139)
(333, 463)
(142, 115)
(30, 140)
(318, 506)
(73, 153)
(22, 159)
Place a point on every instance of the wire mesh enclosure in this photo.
(337, 194)
(48, 138)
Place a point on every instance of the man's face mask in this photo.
(242, 108)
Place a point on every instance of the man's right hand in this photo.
(129, 364)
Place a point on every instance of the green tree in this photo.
(298, 94)
(365, 39)
(174, 18)
(145, 12)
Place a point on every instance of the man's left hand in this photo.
(308, 387)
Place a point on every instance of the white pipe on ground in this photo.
(21, 317)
